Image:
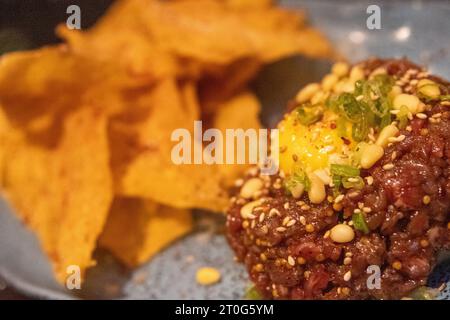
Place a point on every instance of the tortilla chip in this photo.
(242, 111)
(60, 195)
(141, 152)
(138, 229)
(190, 38)
(38, 88)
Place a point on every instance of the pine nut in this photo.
(357, 73)
(428, 88)
(407, 100)
(307, 92)
(340, 69)
(342, 233)
(385, 134)
(250, 187)
(329, 81)
(207, 276)
(247, 210)
(317, 191)
(371, 154)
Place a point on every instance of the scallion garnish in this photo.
(359, 222)
(368, 106)
(344, 170)
(298, 177)
(308, 114)
(353, 182)
(252, 293)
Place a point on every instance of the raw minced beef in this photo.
(286, 248)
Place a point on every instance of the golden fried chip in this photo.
(142, 149)
(240, 112)
(138, 229)
(38, 88)
(63, 194)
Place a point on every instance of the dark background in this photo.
(27, 24)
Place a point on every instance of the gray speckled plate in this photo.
(417, 29)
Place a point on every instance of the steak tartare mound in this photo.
(363, 188)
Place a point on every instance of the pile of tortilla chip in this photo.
(85, 126)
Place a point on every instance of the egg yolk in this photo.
(315, 146)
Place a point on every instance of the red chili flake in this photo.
(346, 141)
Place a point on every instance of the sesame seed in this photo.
(281, 229)
(353, 194)
(274, 212)
(250, 216)
(421, 115)
(369, 180)
(302, 220)
(286, 205)
(291, 261)
(253, 224)
(350, 223)
(394, 155)
(360, 205)
(309, 228)
(426, 200)
(347, 260)
(408, 128)
(239, 182)
(291, 223)
(258, 267)
(277, 185)
(352, 180)
(436, 115)
(347, 276)
(327, 234)
(345, 291)
(285, 221)
(388, 166)
(261, 217)
(320, 257)
(357, 210)
(301, 260)
(397, 265)
(367, 209)
(265, 229)
(305, 207)
(339, 198)
(424, 243)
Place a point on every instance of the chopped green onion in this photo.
(402, 117)
(368, 106)
(344, 170)
(424, 293)
(308, 114)
(295, 179)
(353, 182)
(252, 294)
(359, 222)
